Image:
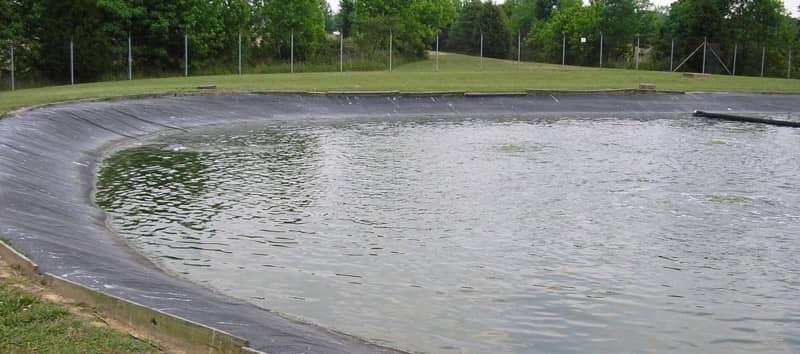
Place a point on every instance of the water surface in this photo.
(541, 234)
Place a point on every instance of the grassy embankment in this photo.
(457, 73)
(34, 320)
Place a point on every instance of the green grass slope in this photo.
(456, 73)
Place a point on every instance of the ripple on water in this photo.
(649, 234)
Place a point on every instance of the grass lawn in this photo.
(457, 73)
(29, 324)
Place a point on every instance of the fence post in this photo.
(735, 52)
(12, 68)
(291, 59)
(71, 62)
(601, 49)
(519, 47)
(705, 46)
(481, 50)
(789, 67)
(240, 52)
(671, 54)
(186, 54)
(130, 59)
(391, 49)
(563, 48)
(437, 53)
(341, 51)
(637, 52)
(763, 59)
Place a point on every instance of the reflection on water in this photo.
(447, 236)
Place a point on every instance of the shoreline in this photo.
(435, 94)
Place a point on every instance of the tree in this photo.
(344, 18)
(329, 18)
(413, 24)
(573, 24)
(11, 31)
(757, 21)
(79, 22)
(761, 24)
(465, 33)
(476, 18)
(618, 23)
(496, 33)
(521, 14)
(304, 18)
(13, 35)
(751, 24)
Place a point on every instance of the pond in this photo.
(641, 233)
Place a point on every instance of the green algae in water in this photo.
(514, 148)
(152, 166)
(511, 148)
(730, 199)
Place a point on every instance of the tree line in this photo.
(40, 31)
(748, 27)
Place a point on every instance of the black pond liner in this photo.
(49, 159)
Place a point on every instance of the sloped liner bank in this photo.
(49, 157)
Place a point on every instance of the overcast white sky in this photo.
(791, 5)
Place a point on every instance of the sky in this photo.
(790, 5)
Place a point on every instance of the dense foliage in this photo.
(41, 31)
(413, 24)
(727, 25)
(282, 21)
(480, 19)
(748, 25)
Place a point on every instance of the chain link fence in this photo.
(84, 60)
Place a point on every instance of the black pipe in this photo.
(782, 123)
